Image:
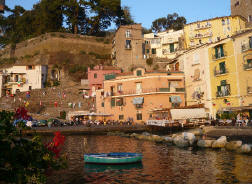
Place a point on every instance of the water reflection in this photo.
(109, 168)
(160, 163)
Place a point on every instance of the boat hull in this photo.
(113, 158)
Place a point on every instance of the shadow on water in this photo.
(89, 168)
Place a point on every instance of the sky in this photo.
(146, 11)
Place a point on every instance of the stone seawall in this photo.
(227, 131)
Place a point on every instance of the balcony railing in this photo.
(249, 90)
(128, 46)
(245, 47)
(203, 27)
(219, 55)
(223, 93)
(199, 36)
(148, 90)
(220, 72)
(247, 66)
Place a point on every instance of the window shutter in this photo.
(250, 42)
(221, 50)
(112, 102)
(216, 52)
(218, 88)
(171, 47)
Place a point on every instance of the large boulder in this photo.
(190, 137)
(146, 133)
(157, 138)
(180, 142)
(233, 145)
(168, 139)
(245, 149)
(220, 143)
(205, 143)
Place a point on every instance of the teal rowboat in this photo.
(113, 158)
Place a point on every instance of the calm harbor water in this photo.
(161, 163)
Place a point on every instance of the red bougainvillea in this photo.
(55, 145)
(21, 113)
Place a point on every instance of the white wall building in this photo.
(22, 78)
(197, 77)
(164, 44)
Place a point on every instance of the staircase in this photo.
(43, 100)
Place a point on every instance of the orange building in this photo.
(134, 95)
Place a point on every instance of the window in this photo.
(29, 67)
(223, 22)
(139, 72)
(139, 116)
(219, 52)
(119, 102)
(119, 88)
(198, 25)
(250, 42)
(112, 102)
(237, 3)
(250, 18)
(138, 87)
(228, 22)
(95, 75)
(102, 104)
(30, 88)
(222, 66)
(147, 51)
(127, 34)
(172, 47)
(128, 44)
(223, 89)
(121, 117)
(153, 51)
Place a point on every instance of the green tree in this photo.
(172, 21)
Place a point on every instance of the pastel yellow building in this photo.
(133, 96)
(243, 54)
(212, 30)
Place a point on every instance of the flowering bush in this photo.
(25, 160)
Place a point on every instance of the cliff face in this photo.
(72, 53)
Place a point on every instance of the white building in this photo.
(22, 78)
(164, 44)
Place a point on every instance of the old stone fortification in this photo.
(55, 42)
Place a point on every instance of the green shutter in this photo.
(218, 88)
(221, 51)
(222, 67)
(249, 61)
(139, 72)
(112, 102)
(171, 47)
(250, 42)
(216, 52)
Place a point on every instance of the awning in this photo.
(196, 113)
(175, 99)
(138, 100)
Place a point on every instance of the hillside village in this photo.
(131, 75)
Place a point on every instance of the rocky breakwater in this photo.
(189, 139)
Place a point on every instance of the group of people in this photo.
(88, 122)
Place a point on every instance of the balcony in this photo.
(128, 47)
(219, 55)
(246, 47)
(199, 36)
(220, 72)
(223, 93)
(247, 66)
(148, 90)
(203, 27)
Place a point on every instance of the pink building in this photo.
(96, 76)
